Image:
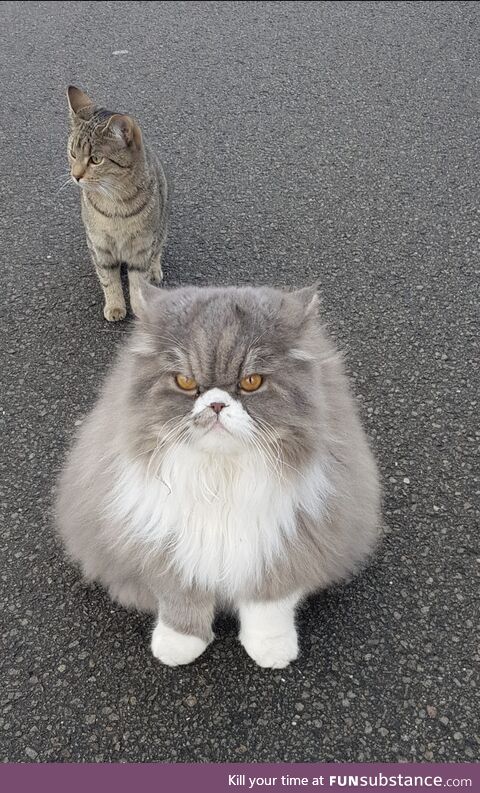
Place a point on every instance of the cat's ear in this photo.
(308, 299)
(146, 309)
(125, 129)
(147, 297)
(77, 99)
(305, 318)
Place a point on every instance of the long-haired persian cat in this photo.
(123, 199)
(223, 466)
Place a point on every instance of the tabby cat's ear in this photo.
(125, 129)
(77, 99)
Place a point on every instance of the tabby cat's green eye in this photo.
(95, 159)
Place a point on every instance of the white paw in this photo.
(173, 648)
(274, 652)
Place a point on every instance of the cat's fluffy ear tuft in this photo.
(125, 129)
(147, 297)
(309, 299)
(77, 99)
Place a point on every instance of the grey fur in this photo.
(124, 199)
(218, 335)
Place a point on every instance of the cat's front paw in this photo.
(114, 313)
(173, 648)
(155, 277)
(272, 652)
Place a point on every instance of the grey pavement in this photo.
(333, 140)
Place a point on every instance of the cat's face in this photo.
(224, 370)
(103, 147)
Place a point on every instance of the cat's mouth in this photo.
(209, 424)
(215, 425)
(222, 423)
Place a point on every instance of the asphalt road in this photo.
(306, 140)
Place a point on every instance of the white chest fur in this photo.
(223, 518)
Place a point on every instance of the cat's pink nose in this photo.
(217, 406)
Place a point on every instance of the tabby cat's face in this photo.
(103, 147)
(226, 370)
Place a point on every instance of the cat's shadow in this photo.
(225, 624)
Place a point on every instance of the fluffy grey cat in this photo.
(123, 198)
(223, 466)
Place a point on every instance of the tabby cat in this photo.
(123, 199)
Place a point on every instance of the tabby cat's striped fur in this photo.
(123, 198)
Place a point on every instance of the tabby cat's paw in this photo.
(173, 648)
(114, 313)
(272, 652)
(156, 278)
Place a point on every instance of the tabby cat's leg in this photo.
(184, 627)
(108, 272)
(155, 273)
(145, 262)
(135, 277)
(268, 631)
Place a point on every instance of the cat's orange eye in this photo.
(95, 159)
(251, 383)
(186, 383)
